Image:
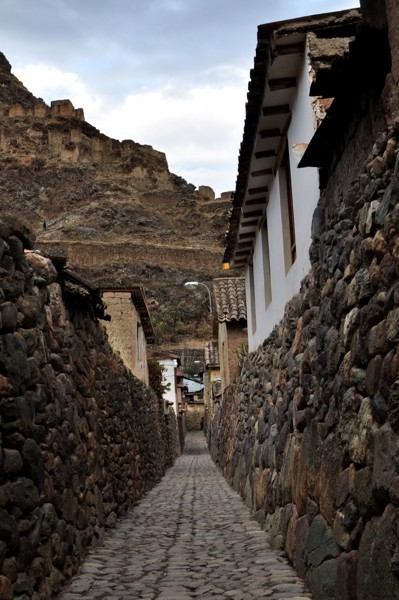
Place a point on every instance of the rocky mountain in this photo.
(111, 207)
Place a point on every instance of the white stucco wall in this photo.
(169, 377)
(305, 192)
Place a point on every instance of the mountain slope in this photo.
(113, 208)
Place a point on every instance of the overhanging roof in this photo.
(271, 91)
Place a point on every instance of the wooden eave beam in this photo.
(265, 154)
(262, 172)
(284, 49)
(253, 214)
(246, 235)
(258, 190)
(271, 111)
(269, 133)
(282, 83)
(255, 201)
(250, 223)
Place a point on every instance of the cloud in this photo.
(198, 127)
(169, 73)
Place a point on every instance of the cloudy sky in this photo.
(169, 73)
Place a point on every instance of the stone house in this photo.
(173, 393)
(231, 314)
(270, 225)
(129, 329)
(309, 432)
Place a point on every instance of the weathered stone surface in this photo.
(321, 579)
(346, 579)
(82, 439)
(6, 589)
(330, 425)
(320, 545)
(384, 468)
(9, 317)
(375, 555)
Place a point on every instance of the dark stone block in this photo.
(362, 493)
(393, 406)
(12, 461)
(379, 408)
(321, 580)
(9, 530)
(24, 494)
(320, 545)
(373, 375)
(301, 533)
(375, 554)
(345, 586)
(25, 554)
(12, 225)
(384, 466)
(33, 462)
(29, 307)
(351, 516)
(8, 317)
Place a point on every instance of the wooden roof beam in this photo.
(250, 223)
(262, 172)
(252, 214)
(282, 83)
(258, 190)
(271, 111)
(265, 154)
(255, 201)
(284, 49)
(269, 133)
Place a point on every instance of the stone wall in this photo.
(194, 415)
(81, 438)
(309, 431)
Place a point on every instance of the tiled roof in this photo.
(211, 354)
(230, 298)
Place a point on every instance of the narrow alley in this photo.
(190, 537)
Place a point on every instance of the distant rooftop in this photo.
(230, 299)
(211, 354)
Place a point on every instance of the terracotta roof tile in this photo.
(230, 298)
(211, 354)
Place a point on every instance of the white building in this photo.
(270, 225)
(170, 363)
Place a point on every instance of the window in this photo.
(287, 212)
(266, 264)
(252, 297)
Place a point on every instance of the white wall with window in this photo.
(270, 286)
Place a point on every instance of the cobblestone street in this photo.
(190, 537)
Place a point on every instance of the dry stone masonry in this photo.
(309, 431)
(81, 438)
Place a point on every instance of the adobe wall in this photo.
(230, 339)
(122, 331)
(81, 438)
(308, 433)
